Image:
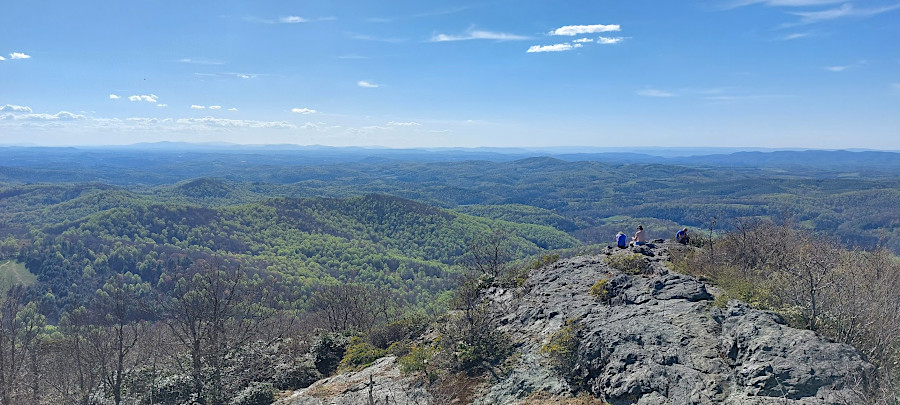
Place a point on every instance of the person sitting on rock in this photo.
(640, 237)
(621, 240)
(682, 237)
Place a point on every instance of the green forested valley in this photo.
(216, 276)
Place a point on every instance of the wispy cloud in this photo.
(609, 40)
(841, 68)
(844, 11)
(197, 107)
(200, 61)
(215, 107)
(572, 30)
(796, 35)
(229, 74)
(19, 55)
(162, 105)
(478, 34)
(292, 20)
(367, 84)
(583, 40)
(303, 111)
(655, 93)
(15, 108)
(232, 109)
(404, 124)
(114, 97)
(553, 48)
(362, 37)
(150, 98)
(2, 58)
(211, 122)
(781, 3)
(60, 116)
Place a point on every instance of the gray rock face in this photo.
(659, 340)
(387, 384)
(653, 338)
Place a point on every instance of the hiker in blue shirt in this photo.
(622, 240)
(682, 237)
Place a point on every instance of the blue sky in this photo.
(730, 73)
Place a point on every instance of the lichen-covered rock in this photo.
(652, 338)
(657, 338)
(379, 383)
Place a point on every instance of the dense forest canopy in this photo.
(193, 271)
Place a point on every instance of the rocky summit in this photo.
(638, 335)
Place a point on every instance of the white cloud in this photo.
(609, 40)
(162, 105)
(292, 20)
(232, 109)
(197, 107)
(583, 40)
(15, 108)
(478, 34)
(552, 48)
(654, 93)
(215, 107)
(303, 111)
(151, 98)
(367, 84)
(377, 39)
(60, 116)
(201, 61)
(2, 58)
(404, 124)
(19, 55)
(571, 30)
(845, 10)
(211, 122)
(783, 3)
(114, 97)
(796, 35)
(836, 68)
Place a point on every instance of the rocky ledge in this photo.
(654, 337)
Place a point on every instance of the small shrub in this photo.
(631, 264)
(562, 348)
(417, 360)
(600, 290)
(174, 389)
(328, 351)
(359, 354)
(295, 375)
(255, 394)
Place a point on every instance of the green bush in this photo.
(255, 394)
(631, 264)
(360, 354)
(328, 351)
(600, 290)
(295, 375)
(562, 348)
(417, 359)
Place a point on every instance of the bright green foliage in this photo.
(418, 359)
(562, 347)
(600, 290)
(631, 264)
(360, 354)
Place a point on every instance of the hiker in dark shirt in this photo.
(682, 237)
(621, 240)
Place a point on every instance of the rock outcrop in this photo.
(649, 338)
